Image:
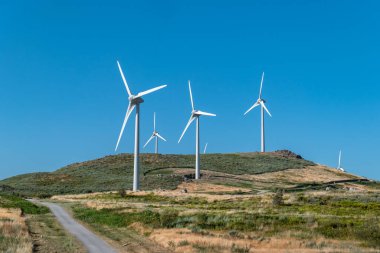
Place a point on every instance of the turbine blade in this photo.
(151, 138)
(125, 81)
(204, 151)
(159, 136)
(187, 126)
(129, 111)
(191, 96)
(263, 105)
(261, 84)
(206, 113)
(140, 94)
(253, 106)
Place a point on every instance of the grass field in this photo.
(115, 172)
(312, 221)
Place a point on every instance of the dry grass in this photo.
(310, 174)
(14, 235)
(220, 242)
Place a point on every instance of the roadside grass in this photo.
(14, 235)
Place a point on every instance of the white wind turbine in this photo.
(261, 102)
(134, 102)
(195, 114)
(339, 161)
(155, 135)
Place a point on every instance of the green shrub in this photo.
(168, 218)
(237, 249)
(235, 234)
(183, 243)
(44, 196)
(278, 198)
(122, 193)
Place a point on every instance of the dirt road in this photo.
(92, 242)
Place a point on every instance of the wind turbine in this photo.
(134, 102)
(155, 135)
(339, 161)
(204, 151)
(195, 114)
(261, 102)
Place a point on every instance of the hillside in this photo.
(247, 170)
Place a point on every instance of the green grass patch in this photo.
(10, 201)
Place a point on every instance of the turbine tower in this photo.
(261, 102)
(155, 135)
(134, 102)
(195, 114)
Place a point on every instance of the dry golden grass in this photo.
(14, 232)
(310, 174)
(219, 242)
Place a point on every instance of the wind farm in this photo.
(240, 202)
(106, 145)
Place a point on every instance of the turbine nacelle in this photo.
(134, 100)
(259, 100)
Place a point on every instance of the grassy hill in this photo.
(157, 171)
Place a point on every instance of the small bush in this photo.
(44, 196)
(171, 245)
(236, 234)
(183, 243)
(237, 249)
(278, 198)
(122, 193)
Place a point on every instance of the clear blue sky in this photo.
(62, 99)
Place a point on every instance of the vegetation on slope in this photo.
(11, 201)
(115, 172)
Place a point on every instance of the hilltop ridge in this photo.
(169, 171)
